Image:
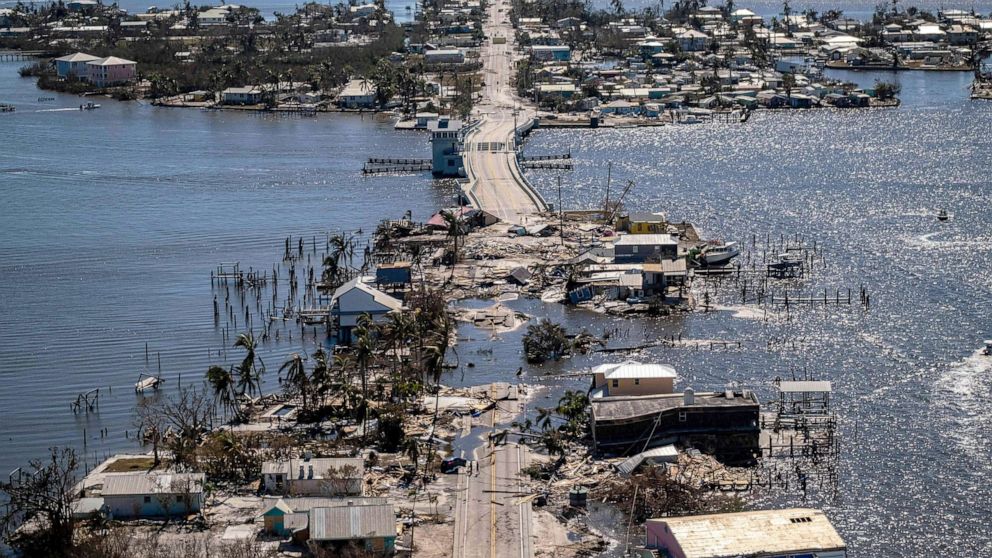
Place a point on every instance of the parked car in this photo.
(451, 465)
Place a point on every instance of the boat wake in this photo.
(963, 392)
(928, 242)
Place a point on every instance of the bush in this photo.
(545, 341)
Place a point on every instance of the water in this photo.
(113, 219)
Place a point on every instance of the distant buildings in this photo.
(139, 495)
(247, 95)
(444, 56)
(102, 72)
(790, 533)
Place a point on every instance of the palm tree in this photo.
(297, 379)
(454, 230)
(249, 379)
(365, 348)
(223, 383)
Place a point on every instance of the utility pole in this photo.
(561, 215)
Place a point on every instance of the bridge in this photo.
(496, 183)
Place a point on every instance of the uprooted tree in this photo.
(38, 519)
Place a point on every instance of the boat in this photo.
(146, 382)
(6, 108)
(987, 351)
(89, 106)
(942, 215)
(719, 253)
(690, 119)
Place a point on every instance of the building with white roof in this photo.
(111, 70)
(317, 476)
(641, 247)
(769, 533)
(632, 378)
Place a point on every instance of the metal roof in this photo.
(645, 239)
(356, 521)
(633, 369)
(129, 484)
(625, 407)
(756, 533)
(663, 453)
(805, 386)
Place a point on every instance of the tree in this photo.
(249, 380)
(45, 495)
(297, 382)
(544, 341)
(224, 386)
(152, 426)
(188, 415)
(885, 90)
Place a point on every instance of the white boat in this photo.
(719, 253)
(146, 382)
(690, 119)
(987, 351)
(89, 106)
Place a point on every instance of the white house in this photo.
(132, 495)
(357, 94)
(632, 378)
(444, 56)
(356, 298)
(74, 65)
(316, 476)
(247, 95)
(692, 40)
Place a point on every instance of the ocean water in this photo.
(113, 219)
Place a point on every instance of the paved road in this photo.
(490, 521)
(496, 183)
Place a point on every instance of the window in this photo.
(682, 416)
(637, 381)
(633, 249)
(148, 499)
(616, 383)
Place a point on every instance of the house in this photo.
(658, 277)
(372, 527)
(962, 35)
(112, 70)
(444, 56)
(213, 16)
(692, 40)
(632, 378)
(355, 299)
(555, 91)
(796, 532)
(930, 32)
(641, 247)
(723, 423)
(621, 108)
(446, 146)
(315, 476)
(74, 65)
(547, 53)
(745, 17)
(357, 94)
(363, 10)
(643, 222)
(135, 495)
(288, 516)
(247, 95)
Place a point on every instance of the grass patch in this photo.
(130, 465)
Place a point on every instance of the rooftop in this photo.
(321, 465)
(355, 521)
(633, 369)
(632, 407)
(377, 295)
(127, 484)
(645, 239)
(756, 533)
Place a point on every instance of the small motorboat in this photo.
(89, 106)
(987, 351)
(719, 253)
(942, 215)
(146, 382)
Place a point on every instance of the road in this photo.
(490, 521)
(496, 183)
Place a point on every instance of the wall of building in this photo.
(161, 505)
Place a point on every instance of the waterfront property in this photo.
(789, 533)
(102, 72)
(643, 222)
(723, 423)
(356, 298)
(357, 94)
(140, 495)
(247, 95)
(632, 378)
(633, 248)
(446, 146)
(316, 476)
